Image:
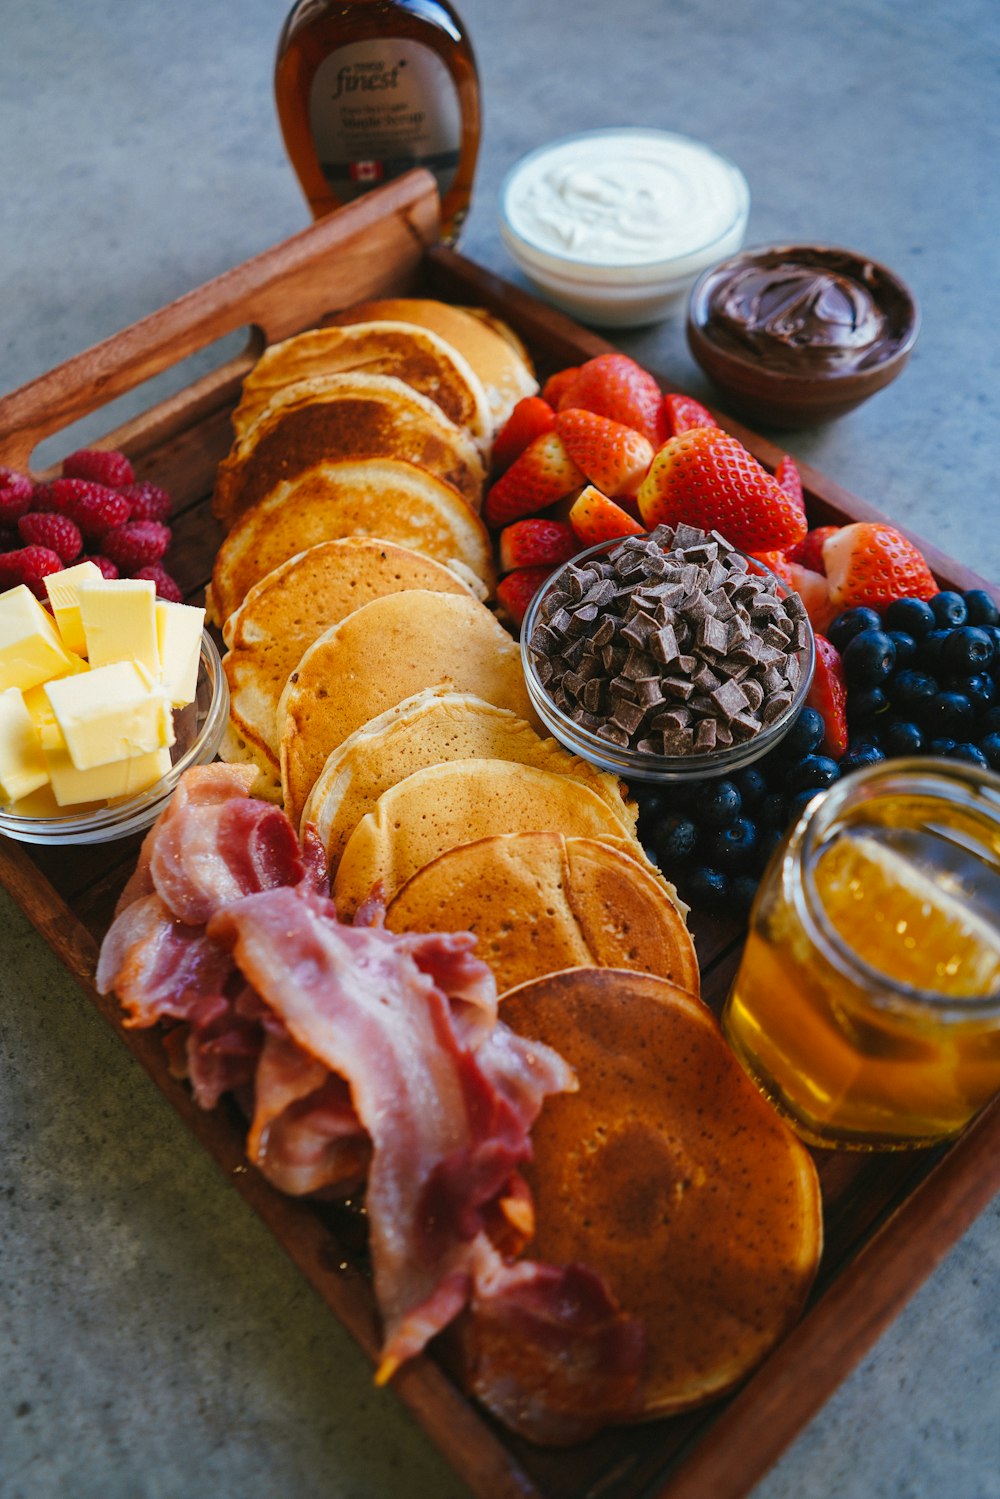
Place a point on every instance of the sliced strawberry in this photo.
(516, 591)
(595, 518)
(870, 564)
(790, 479)
(554, 386)
(814, 591)
(614, 385)
(828, 695)
(614, 457)
(707, 478)
(542, 474)
(536, 543)
(530, 418)
(681, 413)
(809, 551)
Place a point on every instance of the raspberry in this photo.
(136, 544)
(94, 507)
(149, 501)
(12, 478)
(14, 502)
(57, 532)
(101, 465)
(108, 568)
(166, 588)
(42, 498)
(31, 565)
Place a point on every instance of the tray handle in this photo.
(365, 249)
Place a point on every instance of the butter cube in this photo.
(119, 621)
(22, 764)
(102, 782)
(111, 713)
(30, 648)
(178, 632)
(62, 589)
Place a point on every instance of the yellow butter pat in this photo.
(103, 782)
(110, 713)
(63, 591)
(22, 764)
(119, 621)
(30, 648)
(178, 632)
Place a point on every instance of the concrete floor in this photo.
(154, 1341)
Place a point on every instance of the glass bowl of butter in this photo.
(107, 696)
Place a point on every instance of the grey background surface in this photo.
(154, 1341)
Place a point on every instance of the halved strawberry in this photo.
(814, 591)
(790, 479)
(595, 518)
(614, 457)
(516, 591)
(530, 418)
(536, 543)
(554, 386)
(542, 474)
(681, 413)
(809, 551)
(707, 478)
(870, 564)
(828, 694)
(614, 385)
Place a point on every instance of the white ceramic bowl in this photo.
(613, 226)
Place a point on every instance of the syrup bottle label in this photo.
(378, 108)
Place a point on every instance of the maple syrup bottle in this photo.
(367, 89)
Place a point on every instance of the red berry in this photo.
(516, 591)
(15, 501)
(107, 567)
(30, 565)
(136, 544)
(12, 478)
(94, 507)
(149, 501)
(57, 532)
(42, 498)
(102, 465)
(166, 587)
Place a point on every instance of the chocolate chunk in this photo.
(613, 734)
(663, 645)
(777, 704)
(627, 716)
(605, 631)
(753, 692)
(729, 699)
(712, 634)
(705, 734)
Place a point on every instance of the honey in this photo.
(867, 1002)
(368, 89)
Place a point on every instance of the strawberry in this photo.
(870, 564)
(536, 543)
(530, 418)
(814, 591)
(595, 518)
(790, 480)
(809, 551)
(778, 564)
(542, 474)
(516, 591)
(828, 695)
(614, 457)
(681, 413)
(614, 385)
(555, 385)
(707, 478)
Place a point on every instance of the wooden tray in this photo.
(888, 1218)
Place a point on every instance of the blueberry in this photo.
(981, 689)
(942, 746)
(911, 615)
(929, 651)
(990, 746)
(717, 803)
(805, 735)
(770, 839)
(731, 848)
(743, 891)
(798, 802)
(850, 623)
(947, 714)
(981, 607)
(901, 737)
(707, 887)
(869, 657)
(751, 783)
(652, 804)
(966, 650)
(812, 772)
(861, 754)
(949, 609)
(971, 753)
(773, 811)
(864, 704)
(674, 838)
(907, 690)
(906, 648)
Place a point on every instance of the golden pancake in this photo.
(382, 653)
(381, 497)
(499, 359)
(415, 355)
(458, 802)
(428, 729)
(287, 610)
(671, 1176)
(332, 417)
(540, 901)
